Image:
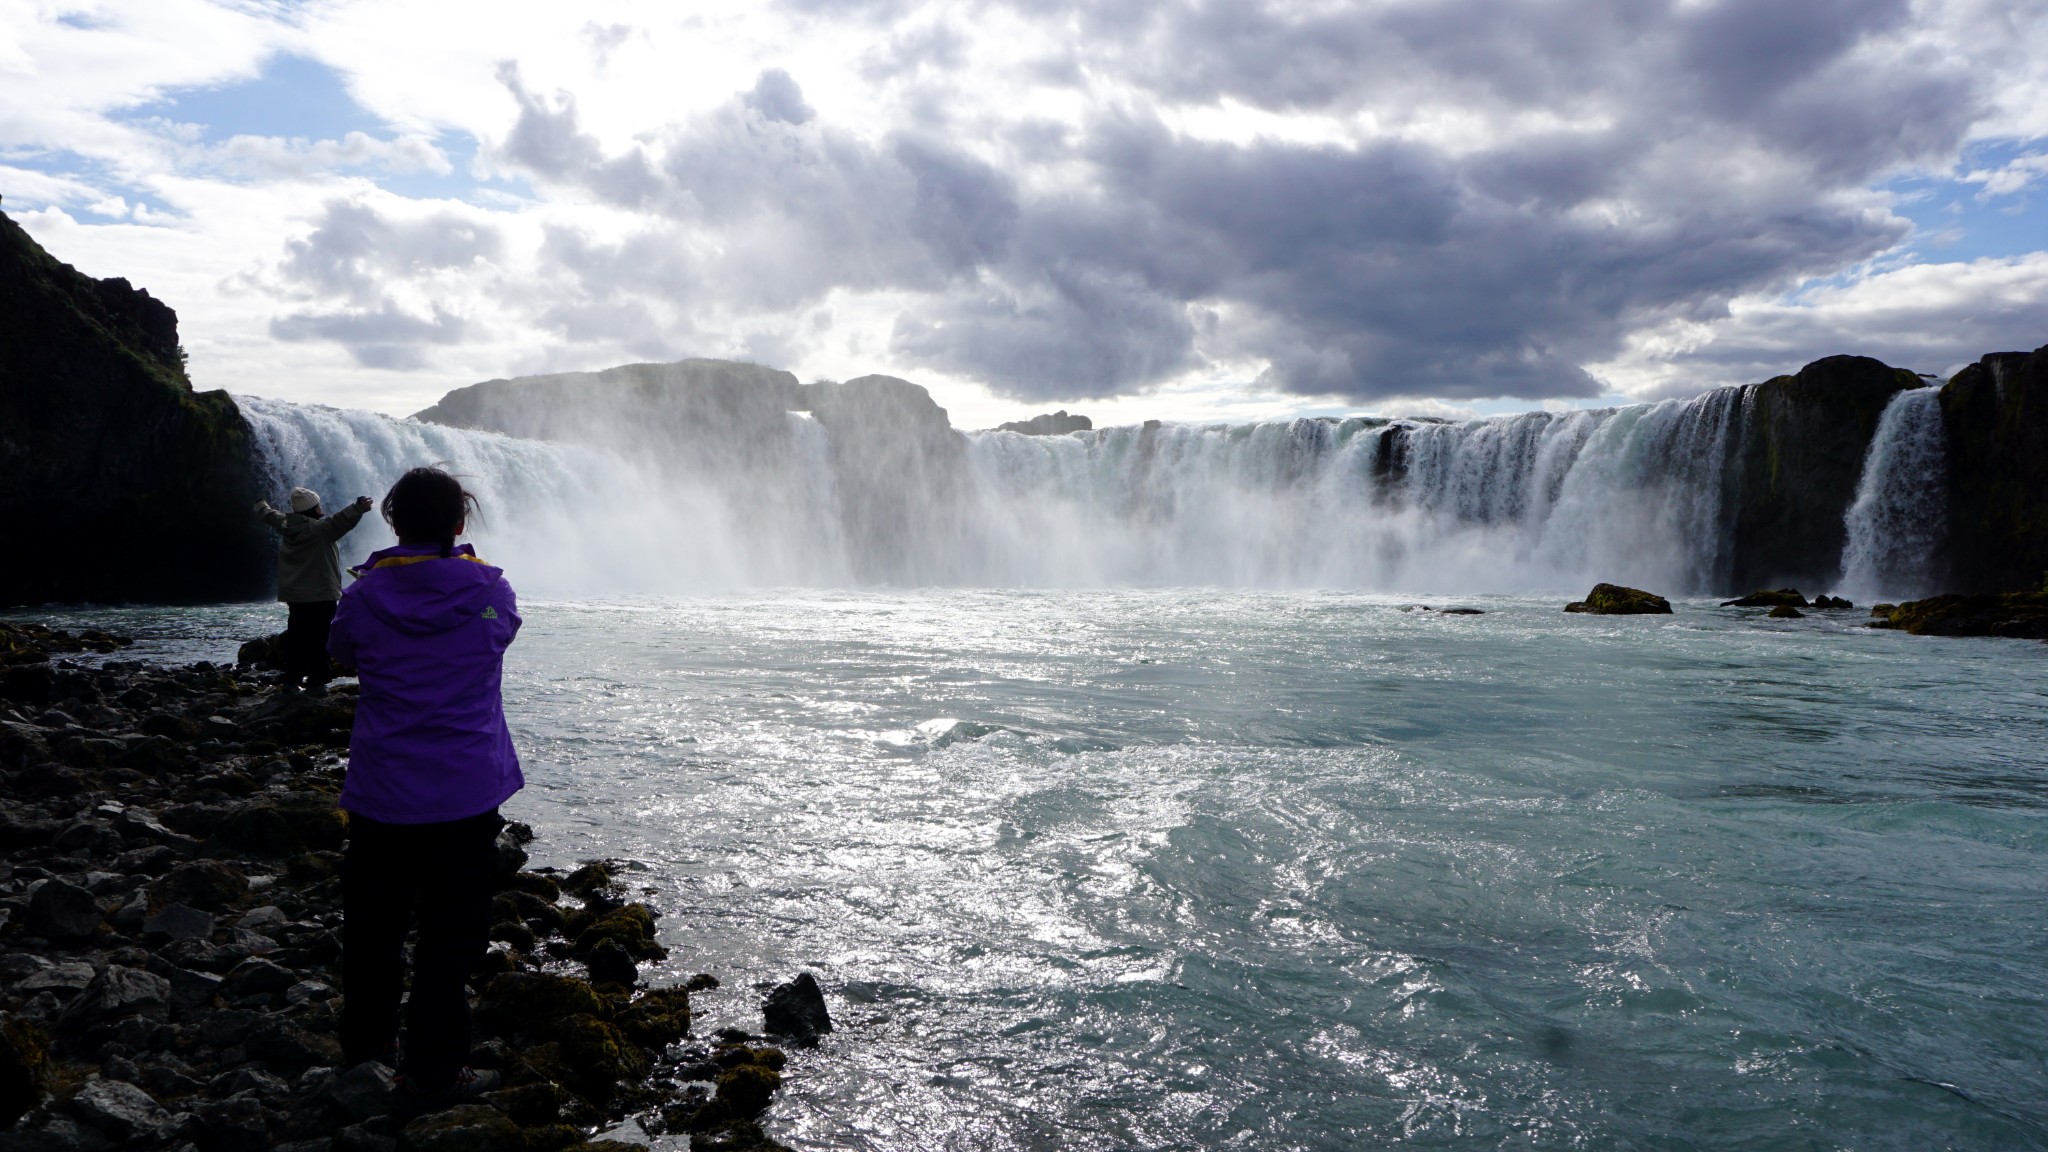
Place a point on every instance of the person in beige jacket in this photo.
(309, 580)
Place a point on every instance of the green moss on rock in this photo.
(2020, 615)
(1617, 600)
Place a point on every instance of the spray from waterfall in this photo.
(1539, 502)
(1896, 524)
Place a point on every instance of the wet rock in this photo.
(511, 854)
(309, 992)
(701, 982)
(610, 964)
(284, 825)
(630, 926)
(356, 1138)
(1785, 612)
(657, 1019)
(1779, 598)
(589, 1057)
(63, 911)
(208, 885)
(178, 922)
(189, 989)
(797, 1009)
(122, 1111)
(1832, 603)
(1617, 600)
(591, 878)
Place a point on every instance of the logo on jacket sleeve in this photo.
(490, 613)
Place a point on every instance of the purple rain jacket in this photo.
(427, 635)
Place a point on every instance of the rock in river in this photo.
(1616, 600)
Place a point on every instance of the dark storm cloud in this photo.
(1611, 164)
(354, 249)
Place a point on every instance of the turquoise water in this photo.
(1203, 869)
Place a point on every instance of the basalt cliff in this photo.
(118, 482)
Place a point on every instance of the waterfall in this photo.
(1537, 502)
(566, 519)
(1540, 501)
(1898, 520)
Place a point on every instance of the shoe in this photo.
(469, 1084)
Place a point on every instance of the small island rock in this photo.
(1779, 598)
(1616, 600)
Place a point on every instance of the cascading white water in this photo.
(566, 519)
(1896, 524)
(1548, 502)
(1539, 501)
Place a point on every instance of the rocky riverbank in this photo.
(170, 914)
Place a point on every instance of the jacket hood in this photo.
(419, 591)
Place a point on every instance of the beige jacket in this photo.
(309, 553)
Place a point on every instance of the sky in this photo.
(1194, 210)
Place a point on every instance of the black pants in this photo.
(442, 872)
(305, 641)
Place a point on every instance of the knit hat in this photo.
(304, 499)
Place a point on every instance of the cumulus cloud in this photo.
(1450, 200)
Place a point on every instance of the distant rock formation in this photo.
(895, 457)
(1996, 415)
(1797, 455)
(1049, 424)
(118, 482)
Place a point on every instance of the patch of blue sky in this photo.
(298, 98)
(1956, 218)
(79, 170)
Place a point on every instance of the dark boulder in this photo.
(24, 1068)
(63, 911)
(207, 885)
(1785, 612)
(1787, 597)
(797, 1009)
(1616, 600)
(2019, 615)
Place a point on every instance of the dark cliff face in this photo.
(1995, 413)
(117, 481)
(1794, 465)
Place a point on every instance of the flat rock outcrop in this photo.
(1049, 424)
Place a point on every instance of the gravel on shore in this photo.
(170, 913)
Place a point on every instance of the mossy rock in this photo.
(1778, 598)
(588, 1057)
(549, 1138)
(2017, 615)
(463, 1128)
(534, 1003)
(530, 1105)
(1617, 600)
(744, 1092)
(1786, 612)
(657, 1019)
(631, 927)
(595, 876)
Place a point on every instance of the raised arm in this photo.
(269, 515)
(343, 522)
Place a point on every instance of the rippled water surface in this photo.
(1194, 869)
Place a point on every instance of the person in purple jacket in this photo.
(425, 625)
